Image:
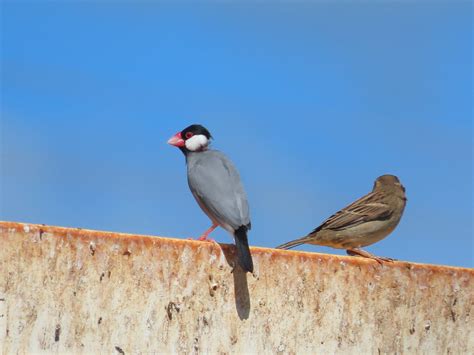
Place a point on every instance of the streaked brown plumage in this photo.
(364, 222)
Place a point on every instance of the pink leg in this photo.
(204, 236)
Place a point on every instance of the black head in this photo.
(194, 138)
(194, 130)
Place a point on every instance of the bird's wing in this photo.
(215, 183)
(371, 207)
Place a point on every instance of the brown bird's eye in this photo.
(189, 135)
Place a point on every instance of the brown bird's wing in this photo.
(368, 208)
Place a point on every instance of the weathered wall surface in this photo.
(76, 291)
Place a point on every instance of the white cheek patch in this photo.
(196, 142)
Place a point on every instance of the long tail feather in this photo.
(243, 250)
(293, 243)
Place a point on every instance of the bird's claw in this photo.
(366, 254)
(204, 238)
(380, 260)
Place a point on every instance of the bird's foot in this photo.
(205, 238)
(366, 254)
(202, 238)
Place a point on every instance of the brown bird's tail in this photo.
(294, 243)
(243, 250)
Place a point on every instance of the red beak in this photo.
(176, 140)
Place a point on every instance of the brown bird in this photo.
(364, 222)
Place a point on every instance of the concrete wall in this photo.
(69, 290)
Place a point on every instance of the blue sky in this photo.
(312, 101)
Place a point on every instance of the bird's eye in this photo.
(189, 135)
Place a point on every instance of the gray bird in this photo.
(364, 222)
(215, 184)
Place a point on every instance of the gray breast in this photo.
(215, 183)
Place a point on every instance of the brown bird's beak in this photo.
(176, 140)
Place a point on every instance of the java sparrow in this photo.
(216, 186)
(364, 222)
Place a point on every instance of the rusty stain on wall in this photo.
(71, 290)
